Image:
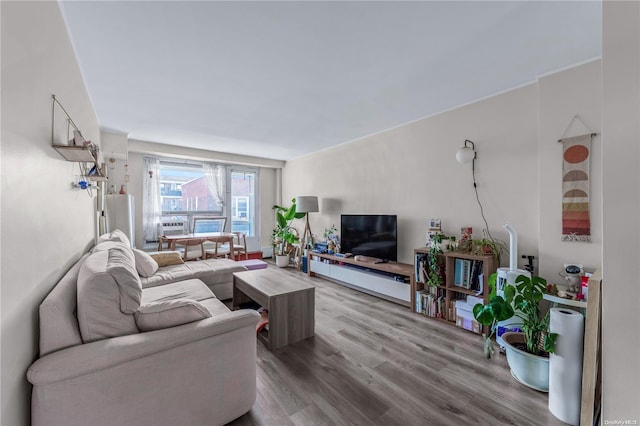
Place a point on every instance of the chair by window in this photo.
(240, 245)
(208, 224)
(221, 247)
(193, 249)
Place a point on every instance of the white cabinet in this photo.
(371, 278)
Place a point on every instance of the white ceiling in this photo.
(283, 79)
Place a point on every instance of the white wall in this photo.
(621, 200)
(411, 171)
(45, 224)
(268, 198)
(561, 96)
(115, 145)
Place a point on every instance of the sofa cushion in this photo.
(215, 307)
(188, 289)
(115, 235)
(169, 313)
(168, 258)
(58, 320)
(145, 264)
(121, 265)
(99, 301)
(216, 273)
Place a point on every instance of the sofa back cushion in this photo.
(121, 265)
(109, 292)
(145, 264)
(58, 323)
(169, 313)
(115, 235)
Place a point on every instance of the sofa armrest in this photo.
(92, 357)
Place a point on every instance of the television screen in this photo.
(370, 235)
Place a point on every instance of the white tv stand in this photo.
(368, 278)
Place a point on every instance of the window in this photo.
(183, 192)
(243, 201)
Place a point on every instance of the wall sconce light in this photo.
(466, 154)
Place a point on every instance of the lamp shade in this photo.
(307, 204)
(465, 155)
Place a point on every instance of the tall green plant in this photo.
(523, 301)
(284, 235)
(498, 308)
(530, 292)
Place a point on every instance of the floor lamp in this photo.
(307, 204)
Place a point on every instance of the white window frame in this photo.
(253, 241)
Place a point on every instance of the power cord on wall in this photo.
(475, 188)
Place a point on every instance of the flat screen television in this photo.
(373, 235)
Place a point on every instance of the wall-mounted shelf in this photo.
(75, 153)
(81, 151)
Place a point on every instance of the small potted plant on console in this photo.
(527, 352)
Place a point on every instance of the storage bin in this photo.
(465, 319)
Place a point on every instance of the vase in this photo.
(529, 369)
(282, 261)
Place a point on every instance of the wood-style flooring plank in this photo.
(373, 362)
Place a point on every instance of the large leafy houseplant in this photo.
(284, 235)
(523, 301)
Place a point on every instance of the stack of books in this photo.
(431, 302)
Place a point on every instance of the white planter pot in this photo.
(282, 261)
(528, 369)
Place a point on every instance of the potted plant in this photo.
(526, 356)
(498, 309)
(331, 237)
(488, 246)
(435, 262)
(284, 236)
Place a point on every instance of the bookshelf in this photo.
(439, 303)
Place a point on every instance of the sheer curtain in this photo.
(215, 181)
(151, 202)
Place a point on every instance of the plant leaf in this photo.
(550, 342)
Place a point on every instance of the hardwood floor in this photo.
(373, 362)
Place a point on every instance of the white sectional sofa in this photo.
(116, 352)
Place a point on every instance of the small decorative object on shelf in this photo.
(435, 228)
(466, 233)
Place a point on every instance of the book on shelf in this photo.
(431, 302)
(467, 274)
(452, 311)
(475, 275)
(419, 307)
(463, 273)
(421, 267)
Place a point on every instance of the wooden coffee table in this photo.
(289, 300)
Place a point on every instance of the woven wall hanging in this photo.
(576, 224)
